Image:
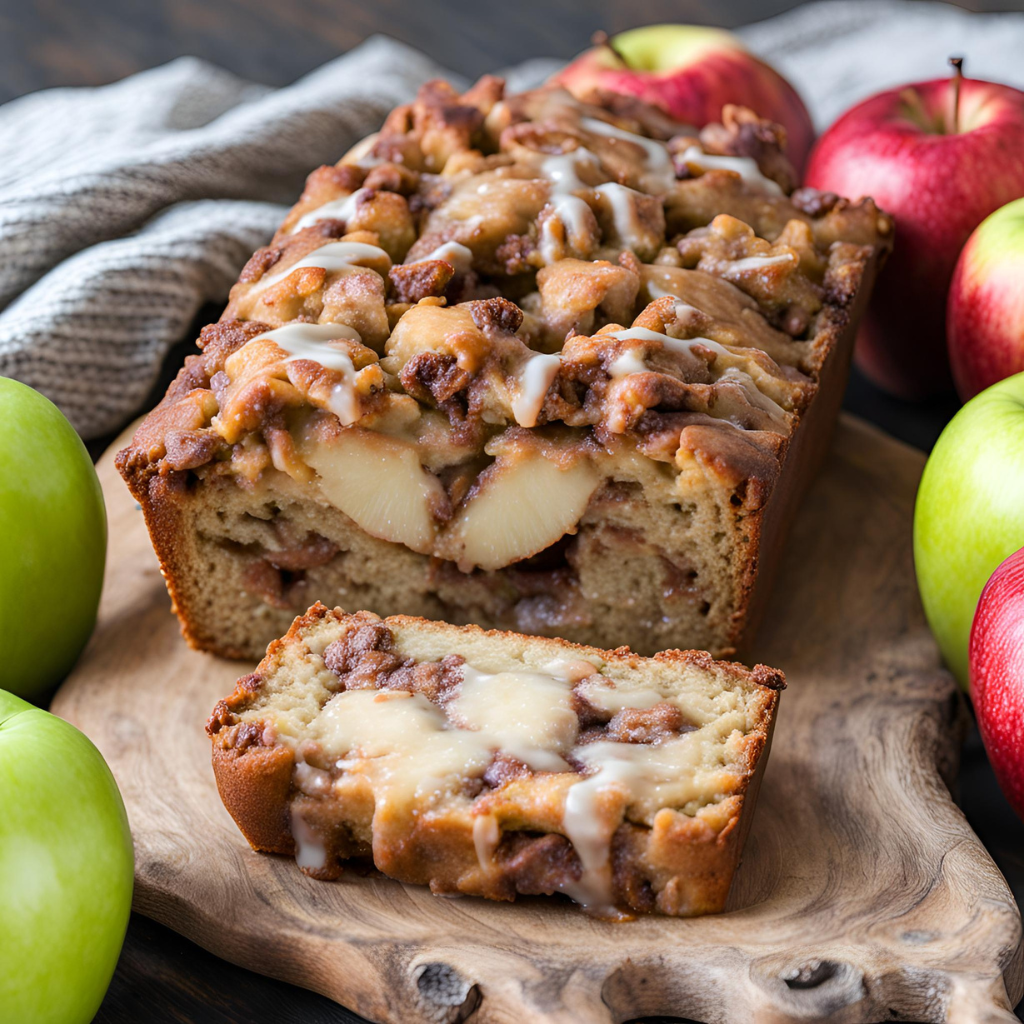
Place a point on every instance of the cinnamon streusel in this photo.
(520, 361)
(497, 765)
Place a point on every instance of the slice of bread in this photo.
(494, 764)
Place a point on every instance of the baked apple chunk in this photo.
(378, 482)
(527, 500)
(517, 360)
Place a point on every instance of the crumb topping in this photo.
(510, 280)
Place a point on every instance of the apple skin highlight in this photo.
(985, 314)
(899, 147)
(968, 517)
(997, 675)
(54, 525)
(691, 72)
(66, 869)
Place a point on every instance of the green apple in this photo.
(53, 539)
(969, 515)
(66, 868)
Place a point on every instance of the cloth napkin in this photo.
(123, 209)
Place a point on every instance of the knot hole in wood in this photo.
(813, 974)
(444, 994)
(820, 986)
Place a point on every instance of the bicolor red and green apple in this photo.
(691, 72)
(985, 313)
(969, 514)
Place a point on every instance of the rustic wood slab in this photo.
(863, 894)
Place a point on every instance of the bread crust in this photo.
(682, 865)
(429, 338)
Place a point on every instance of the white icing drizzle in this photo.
(588, 830)
(333, 257)
(658, 160)
(458, 255)
(632, 362)
(685, 345)
(339, 209)
(745, 166)
(312, 342)
(759, 262)
(312, 781)
(561, 169)
(401, 742)
(409, 749)
(526, 714)
(624, 215)
(612, 699)
(310, 852)
(672, 344)
(657, 292)
(683, 310)
(359, 153)
(571, 210)
(637, 769)
(486, 836)
(534, 380)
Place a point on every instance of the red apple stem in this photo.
(957, 64)
(603, 39)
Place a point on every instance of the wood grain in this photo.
(863, 894)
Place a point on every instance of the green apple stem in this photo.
(603, 39)
(957, 63)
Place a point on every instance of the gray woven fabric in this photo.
(124, 208)
(840, 51)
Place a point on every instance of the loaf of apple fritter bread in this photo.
(518, 361)
(495, 764)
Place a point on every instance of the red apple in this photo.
(985, 314)
(940, 156)
(691, 72)
(997, 675)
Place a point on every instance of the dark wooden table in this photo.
(162, 978)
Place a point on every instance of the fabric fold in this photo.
(124, 208)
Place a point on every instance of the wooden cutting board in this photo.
(863, 894)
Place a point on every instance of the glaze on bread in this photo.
(521, 361)
(493, 764)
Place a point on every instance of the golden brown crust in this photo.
(707, 359)
(254, 785)
(680, 864)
